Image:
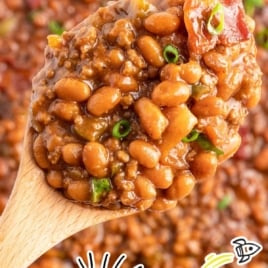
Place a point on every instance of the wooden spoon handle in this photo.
(37, 218)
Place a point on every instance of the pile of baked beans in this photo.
(127, 112)
(234, 203)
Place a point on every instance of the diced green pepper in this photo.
(90, 128)
(199, 90)
(100, 187)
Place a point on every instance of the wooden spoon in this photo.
(37, 217)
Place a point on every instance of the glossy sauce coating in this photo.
(112, 76)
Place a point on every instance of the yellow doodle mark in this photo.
(214, 260)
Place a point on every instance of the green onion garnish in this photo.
(121, 129)
(206, 144)
(203, 141)
(171, 54)
(217, 14)
(262, 38)
(224, 202)
(192, 136)
(100, 187)
(55, 27)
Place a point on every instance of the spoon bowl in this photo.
(37, 218)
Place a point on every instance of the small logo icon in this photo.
(214, 260)
(244, 249)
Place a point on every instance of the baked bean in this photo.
(229, 82)
(96, 159)
(210, 106)
(181, 122)
(136, 58)
(72, 153)
(129, 69)
(191, 72)
(250, 95)
(103, 100)
(128, 198)
(116, 57)
(216, 61)
(122, 156)
(65, 110)
(207, 186)
(260, 162)
(162, 23)
(171, 72)
(151, 50)
(55, 179)
(144, 188)
(4, 169)
(216, 130)
(144, 204)
(78, 190)
(171, 93)
(204, 165)
(145, 153)
(14, 136)
(230, 147)
(124, 83)
(40, 152)
(72, 89)
(182, 185)
(152, 119)
(123, 184)
(161, 176)
(131, 169)
(161, 204)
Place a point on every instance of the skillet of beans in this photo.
(140, 102)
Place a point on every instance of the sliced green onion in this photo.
(224, 202)
(203, 141)
(171, 54)
(192, 136)
(206, 144)
(262, 38)
(55, 27)
(100, 187)
(121, 129)
(217, 13)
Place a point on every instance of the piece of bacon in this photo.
(196, 15)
